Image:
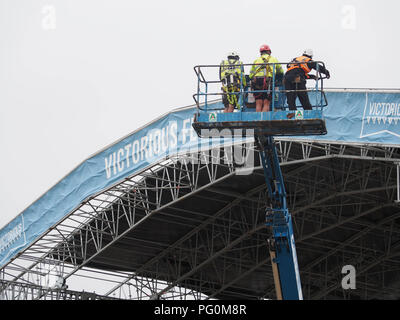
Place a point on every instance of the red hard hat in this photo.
(265, 47)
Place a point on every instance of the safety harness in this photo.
(266, 80)
(231, 80)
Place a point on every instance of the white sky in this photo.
(76, 75)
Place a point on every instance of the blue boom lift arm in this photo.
(282, 247)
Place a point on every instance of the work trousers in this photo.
(297, 86)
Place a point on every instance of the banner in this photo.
(362, 117)
(169, 135)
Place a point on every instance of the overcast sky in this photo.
(76, 75)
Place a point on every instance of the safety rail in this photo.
(277, 90)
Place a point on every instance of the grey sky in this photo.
(76, 75)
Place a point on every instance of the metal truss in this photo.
(21, 291)
(341, 196)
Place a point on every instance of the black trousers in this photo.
(296, 83)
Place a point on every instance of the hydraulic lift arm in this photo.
(282, 247)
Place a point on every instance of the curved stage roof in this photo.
(162, 214)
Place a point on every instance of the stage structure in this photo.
(162, 214)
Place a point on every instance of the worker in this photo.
(296, 77)
(231, 74)
(261, 77)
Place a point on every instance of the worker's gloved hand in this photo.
(327, 74)
(247, 78)
(312, 76)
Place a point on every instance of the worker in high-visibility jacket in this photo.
(231, 74)
(296, 77)
(261, 78)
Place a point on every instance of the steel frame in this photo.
(342, 198)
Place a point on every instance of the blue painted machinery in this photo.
(265, 125)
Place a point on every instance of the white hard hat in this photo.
(308, 52)
(233, 54)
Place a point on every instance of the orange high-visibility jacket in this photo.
(300, 62)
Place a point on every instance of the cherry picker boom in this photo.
(265, 125)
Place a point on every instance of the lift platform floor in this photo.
(276, 123)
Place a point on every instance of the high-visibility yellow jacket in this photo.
(265, 70)
(232, 67)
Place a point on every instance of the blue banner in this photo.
(359, 117)
(362, 117)
(167, 136)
